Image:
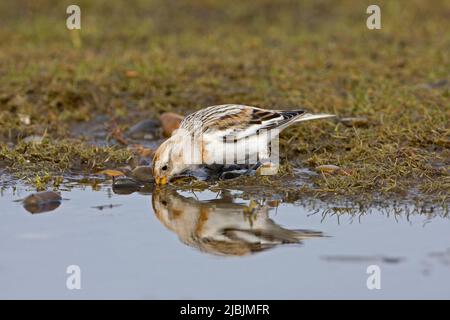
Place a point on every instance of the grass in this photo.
(135, 59)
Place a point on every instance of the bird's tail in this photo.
(309, 116)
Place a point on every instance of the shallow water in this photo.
(173, 244)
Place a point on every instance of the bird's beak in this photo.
(161, 180)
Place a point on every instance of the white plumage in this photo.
(224, 134)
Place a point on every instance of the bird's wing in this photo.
(238, 120)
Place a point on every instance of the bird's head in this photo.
(168, 160)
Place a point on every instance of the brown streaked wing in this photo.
(240, 118)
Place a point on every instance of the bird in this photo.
(222, 226)
(224, 134)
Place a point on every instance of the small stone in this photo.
(41, 197)
(42, 201)
(273, 203)
(227, 175)
(111, 173)
(355, 122)
(142, 174)
(143, 162)
(125, 185)
(170, 122)
(332, 169)
(131, 74)
(141, 150)
(267, 169)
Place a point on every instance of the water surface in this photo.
(208, 245)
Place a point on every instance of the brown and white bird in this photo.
(224, 134)
(221, 226)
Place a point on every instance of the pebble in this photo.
(131, 74)
(125, 185)
(230, 175)
(42, 201)
(170, 121)
(25, 119)
(355, 122)
(111, 173)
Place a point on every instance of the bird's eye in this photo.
(164, 168)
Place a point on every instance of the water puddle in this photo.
(167, 243)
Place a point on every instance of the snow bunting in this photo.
(221, 226)
(224, 134)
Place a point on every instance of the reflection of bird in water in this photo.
(221, 226)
